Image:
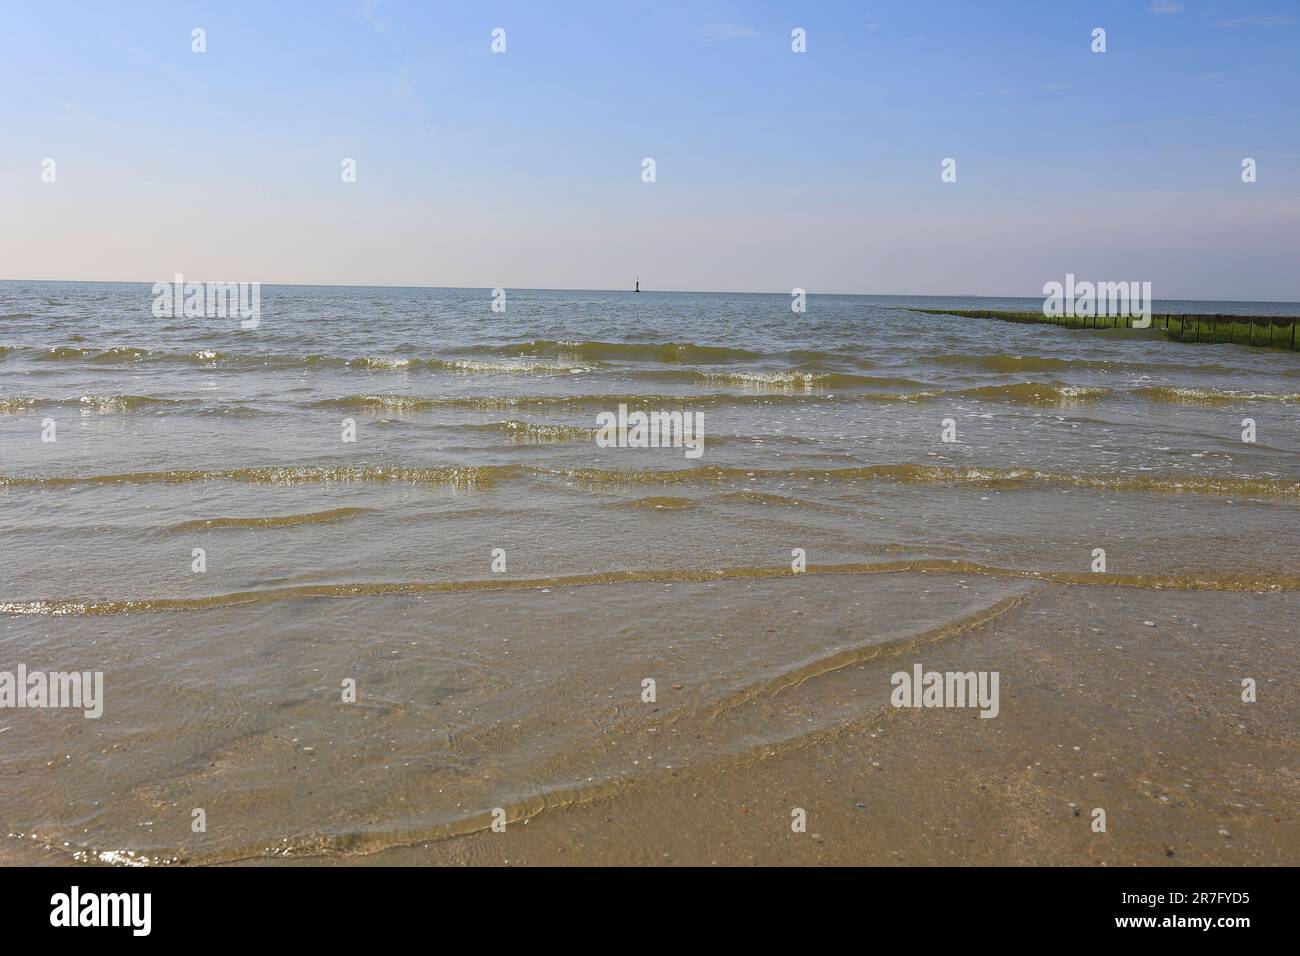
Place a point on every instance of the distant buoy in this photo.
(638, 286)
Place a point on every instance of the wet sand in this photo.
(1145, 722)
(772, 695)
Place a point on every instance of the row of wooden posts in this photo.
(1262, 330)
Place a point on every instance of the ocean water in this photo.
(520, 687)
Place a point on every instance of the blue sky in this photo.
(774, 169)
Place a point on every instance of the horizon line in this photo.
(881, 295)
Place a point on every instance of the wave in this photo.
(17, 406)
(760, 388)
(1036, 393)
(778, 379)
(124, 403)
(469, 366)
(418, 403)
(114, 355)
(598, 351)
(67, 352)
(548, 433)
(487, 476)
(539, 356)
(381, 363)
(125, 354)
(272, 521)
(913, 474)
(538, 433)
(212, 357)
(796, 379)
(362, 841)
(1013, 363)
(1186, 395)
(468, 478)
(98, 403)
(862, 653)
(1188, 581)
(546, 357)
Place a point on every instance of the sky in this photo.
(774, 169)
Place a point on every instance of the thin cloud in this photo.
(402, 88)
(729, 31)
(1164, 7)
(370, 12)
(1256, 22)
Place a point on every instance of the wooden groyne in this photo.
(1267, 331)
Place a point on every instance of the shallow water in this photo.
(372, 560)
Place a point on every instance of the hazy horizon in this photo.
(865, 295)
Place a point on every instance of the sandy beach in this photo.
(1141, 720)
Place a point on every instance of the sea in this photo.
(364, 575)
